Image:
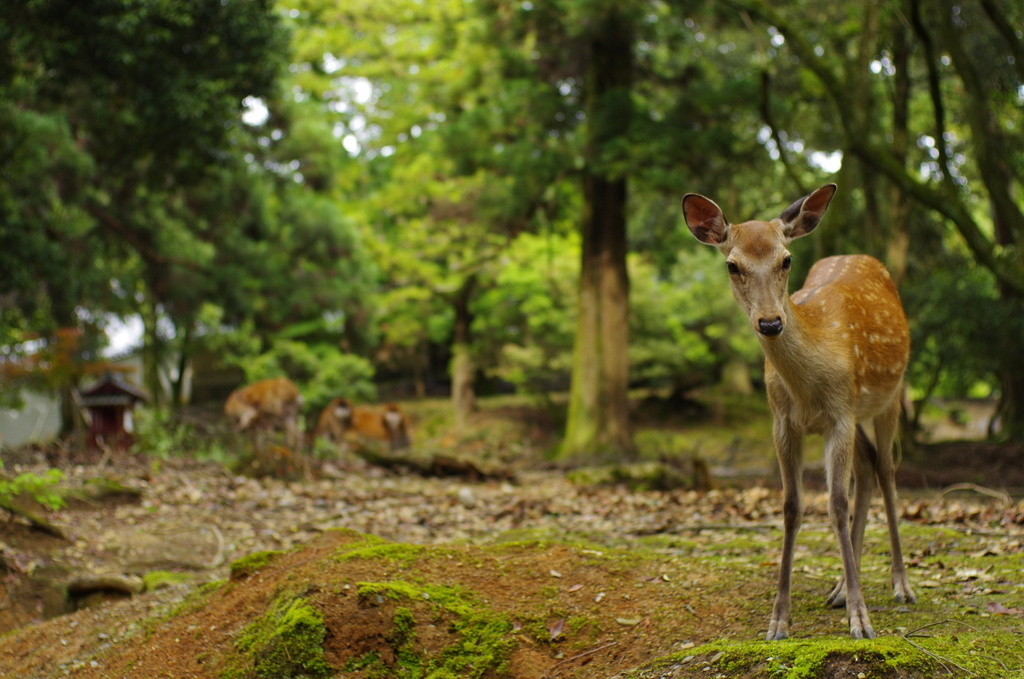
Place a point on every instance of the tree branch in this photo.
(768, 118)
(1008, 32)
(144, 249)
(1000, 261)
(995, 172)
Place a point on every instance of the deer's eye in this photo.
(786, 263)
(733, 269)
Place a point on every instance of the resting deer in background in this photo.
(835, 354)
(340, 418)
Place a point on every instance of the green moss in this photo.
(248, 565)
(386, 551)
(285, 642)
(370, 663)
(156, 579)
(482, 642)
(803, 659)
(968, 650)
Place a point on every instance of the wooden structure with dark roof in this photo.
(110, 403)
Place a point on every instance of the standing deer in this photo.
(835, 354)
(267, 405)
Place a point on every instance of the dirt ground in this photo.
(594, 581)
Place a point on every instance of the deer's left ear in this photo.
(803, 216)
(705, 219)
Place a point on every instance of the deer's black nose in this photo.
(772, 328)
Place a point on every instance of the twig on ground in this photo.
(942, 660)
(981, 490)
(218, 558)
(940, 622)
(578, 656)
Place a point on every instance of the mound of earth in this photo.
(358, 606)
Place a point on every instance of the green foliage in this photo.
(525, 322)
(44, 488)
(410, 158)
(39, 155)
(159, 435)
(955, 348)
(684, 327)
(321, 371)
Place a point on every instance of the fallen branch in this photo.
(942, 660)
(110, 582)
(436, 465)
(981, 490)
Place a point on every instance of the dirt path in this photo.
(655, 573)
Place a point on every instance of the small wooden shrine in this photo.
(109, 403)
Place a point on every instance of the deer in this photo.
(835, 356)
(266, 404)
(340, 417)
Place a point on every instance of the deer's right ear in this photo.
(705, 219)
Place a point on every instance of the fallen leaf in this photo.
(629, 622)
(556, 628)
(575, 588)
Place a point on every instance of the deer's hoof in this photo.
(777, 631)
(860, 624)
(904, 595)
(862, 632)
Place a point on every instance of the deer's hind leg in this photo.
(863, 485)
(885, 470)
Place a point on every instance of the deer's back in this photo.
(854, 304)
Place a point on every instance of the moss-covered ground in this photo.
(548, 579)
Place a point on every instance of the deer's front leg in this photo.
(789, 448)
(839, 460)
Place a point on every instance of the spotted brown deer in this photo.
(266, 405)
(835, 353)
(340, 418)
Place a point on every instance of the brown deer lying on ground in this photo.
(267, 405)
(340, 418)
(835, 354)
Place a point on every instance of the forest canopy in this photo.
(426, 197)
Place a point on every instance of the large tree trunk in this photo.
(598, 419)
(463, 370)
(152, 349)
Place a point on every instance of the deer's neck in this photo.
(801, 355)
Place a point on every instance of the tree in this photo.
(144, 100)
(598, 419)
(438, 114)
(971, 176)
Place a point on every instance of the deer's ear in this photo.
(705, 219)
(803, 216)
